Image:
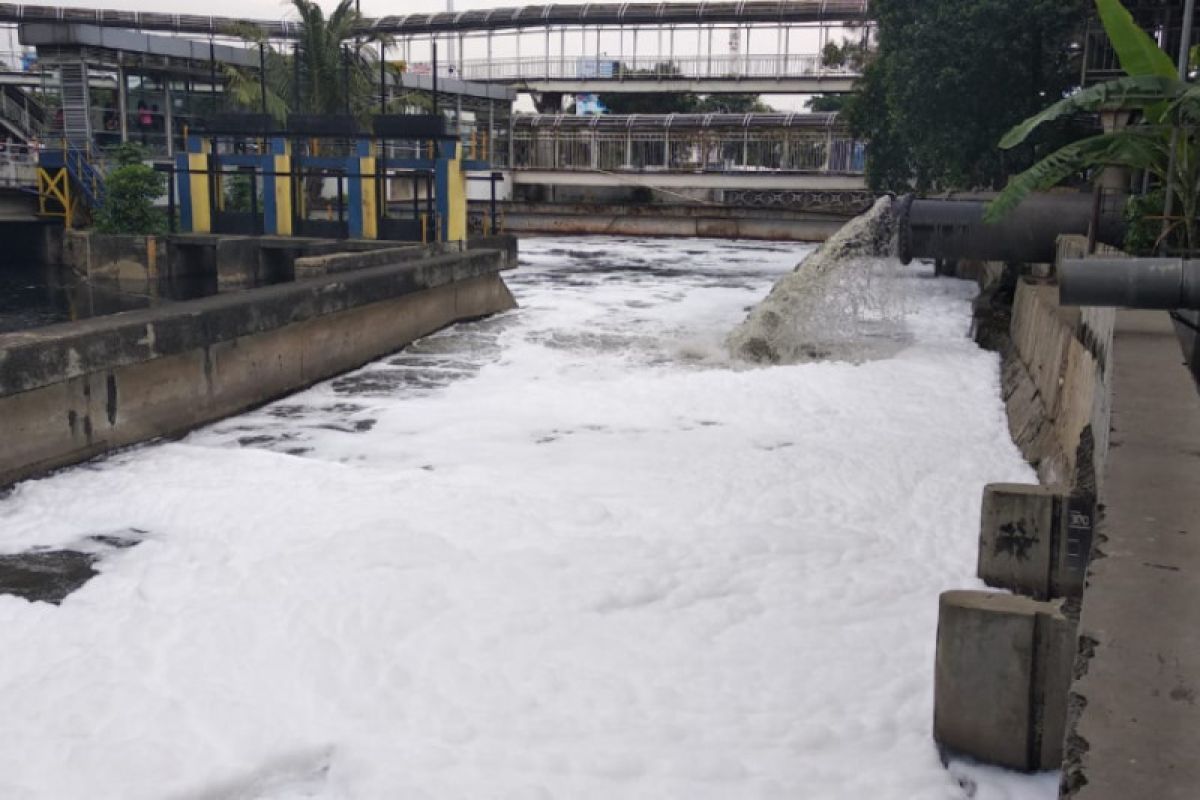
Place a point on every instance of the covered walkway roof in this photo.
(508, 18)
(592, 14)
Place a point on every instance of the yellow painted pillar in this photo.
(198, 194)
(370, 215)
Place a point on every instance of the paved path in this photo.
(1141, 723)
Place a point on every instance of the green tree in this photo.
(732, 104)
(676, 102)
(851, 54)
(824, 103)
(949, 77)
(130, 189)
(1169, 108)
(650, 102)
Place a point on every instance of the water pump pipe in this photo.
(1168, 283)
(954, 228)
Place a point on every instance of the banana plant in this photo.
(1152, 89)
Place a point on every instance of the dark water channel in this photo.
(34, 295)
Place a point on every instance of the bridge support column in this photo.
(123, 102)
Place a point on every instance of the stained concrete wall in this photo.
(73, 391)
(136, 264)
(1056, 385)
(316, 266)
(1005, 662)
(627, 220)
(212, 262)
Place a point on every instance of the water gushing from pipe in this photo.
(836, 305)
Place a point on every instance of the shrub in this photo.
(130, 190)
(1143, 217)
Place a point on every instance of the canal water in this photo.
(34, 295)
(571, 551)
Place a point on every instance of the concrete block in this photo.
(1001, 678)
(1016, 535)
(1035, 540)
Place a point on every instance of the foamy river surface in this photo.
(566, 552)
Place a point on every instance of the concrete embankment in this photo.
(73, 391)
(1034, 540)
(777, 224)
(1096, 668)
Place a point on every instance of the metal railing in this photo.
(19, 116)
(713, 151)
(18, 166)
(642, 67)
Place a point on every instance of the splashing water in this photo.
(841, 303)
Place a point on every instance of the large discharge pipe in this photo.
(1168, 283)
(953, 229)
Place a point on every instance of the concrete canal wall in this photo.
(73, 391)
(1035, 540)
(1090, 664)
(775, 224)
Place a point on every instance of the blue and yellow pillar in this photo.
(451, 190)
(195, 202)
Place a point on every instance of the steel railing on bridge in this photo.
(688, 150)
(643, 67)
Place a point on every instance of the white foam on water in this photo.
(567, 552)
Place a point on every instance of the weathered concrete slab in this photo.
(1034, 540)
(1136, 699)
(1016, 537)
(316, 266)
(1001, 676)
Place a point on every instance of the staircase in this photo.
(86, 175)
(77, 117)
(21, 114)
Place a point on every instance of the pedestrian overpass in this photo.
(751, 46)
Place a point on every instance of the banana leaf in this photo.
(1136, 92)
(1138, 148)
(1138, 53)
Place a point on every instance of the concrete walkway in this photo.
(1138, 732)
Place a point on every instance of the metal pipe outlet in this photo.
(954, 228)
(1130, 282)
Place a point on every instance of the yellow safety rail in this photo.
(54, 186)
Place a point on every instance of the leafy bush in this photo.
(237, 193)
(1143, 217)
(130, 190)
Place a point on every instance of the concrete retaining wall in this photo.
(73, 391)
(204, 263)
(1056, 386)
(624, 220)
(1004, 663)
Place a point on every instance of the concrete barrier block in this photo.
(1002, 672)
(1035, 540)
(1016, 537)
